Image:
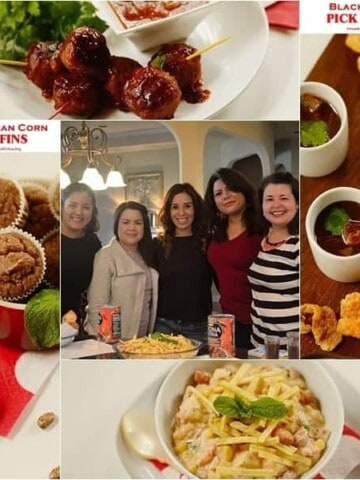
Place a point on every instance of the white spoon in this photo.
(138, 431)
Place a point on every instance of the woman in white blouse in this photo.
(123, 274)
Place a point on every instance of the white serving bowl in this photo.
(155, 32)
(317, 378)
(336, 267)
(325, 159)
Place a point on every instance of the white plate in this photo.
(136, 467)
(66, 340)
(227, 69)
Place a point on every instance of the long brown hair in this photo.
(198, 225)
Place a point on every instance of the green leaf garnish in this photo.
(313, 133)
(158, 61)
(268, 407)
(161, 338)
(265, 407)
(42, 318)
(336, 220)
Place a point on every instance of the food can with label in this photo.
(221, 335)
(109, 326)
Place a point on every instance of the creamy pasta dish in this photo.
(252, 421)
(156, 343)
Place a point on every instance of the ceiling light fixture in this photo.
(92, 144)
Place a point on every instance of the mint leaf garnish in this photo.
(265, 407)
(42, 318)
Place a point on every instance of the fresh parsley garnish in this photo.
(313, 133)
(158, 61)
(265, 407)
(23, 23)
(336, 220)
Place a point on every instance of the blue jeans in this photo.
(196, 331)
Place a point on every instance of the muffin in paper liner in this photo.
(44, 182)
(54, 198)
(51, 246)
(22, 264)
(40, 220)
(13, 204)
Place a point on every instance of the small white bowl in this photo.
(325, 159)
(338, 268)
(317, 378)
(156, 32)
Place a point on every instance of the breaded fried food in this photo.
(308, 311)
(329, 343)
(321, 321)
(70, 317)
(349, 322)
(352, 41)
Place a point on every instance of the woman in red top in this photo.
(236, 234)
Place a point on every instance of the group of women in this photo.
(244, 242)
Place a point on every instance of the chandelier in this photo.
(92, 144)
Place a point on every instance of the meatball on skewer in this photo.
(152, 93)
(172, 58)
(43, 65)
(120, 71)
(78, 96)
(85, 53)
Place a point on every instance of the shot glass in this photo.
(272, 345)
(293, 344)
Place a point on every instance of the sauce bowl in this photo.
(326, 158)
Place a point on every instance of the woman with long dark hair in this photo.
(235, 228)
(124, 275)
(274, 274)
(184, 273)
(79, 244)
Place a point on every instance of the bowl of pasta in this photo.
(230, 418)
(158, 345)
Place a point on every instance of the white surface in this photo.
(311, 48)
(30, 452)
(272, 95)
(106, 389)
(85, 348)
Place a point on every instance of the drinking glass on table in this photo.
(292, 344)
(272, 345)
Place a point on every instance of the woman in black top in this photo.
(79, 243)
(184, 273)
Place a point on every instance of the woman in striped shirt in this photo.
(274, 274)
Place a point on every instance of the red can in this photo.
(221, 335)
(109, 326)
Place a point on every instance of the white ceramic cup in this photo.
(341, 269)
(325, 159)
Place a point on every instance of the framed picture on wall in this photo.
(145, 188)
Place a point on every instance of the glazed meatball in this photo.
(43, 64)
(120, 71)
(152, 93)
(85, 53)
(171, 57)
(77, 95)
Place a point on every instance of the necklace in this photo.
(274, 244)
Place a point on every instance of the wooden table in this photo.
(337, 68)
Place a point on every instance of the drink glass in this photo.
(293, 344)
(272, 345)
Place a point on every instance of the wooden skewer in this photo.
(13, 63)
(59, 110)
(208, 47)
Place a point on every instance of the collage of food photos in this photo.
(179, 239)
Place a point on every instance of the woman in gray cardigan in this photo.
(123, 274)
